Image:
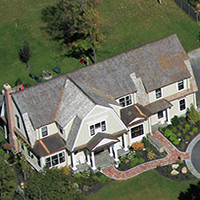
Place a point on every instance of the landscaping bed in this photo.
(181, 132)
(140, 152)
(177, 172)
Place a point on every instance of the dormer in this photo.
(126, 100)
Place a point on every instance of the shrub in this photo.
(179, 134)
(169, 168)
(172, 137)
(198, 123)
(193, 116)
(169, 126)
(175, 121)
(176, 142)
(164, 129)
(184, 131)
(138, 155)
(134, 162)
(167, 133)
(141, 160)
(6, 156)
(138, 146)
(191, 133)
(181, 119)
(66, 170)
(187, 126)
(7, 146)
(174, 129)
(151, 155)
(179, 127)
(146, 142)
(195, 130)
(102, 179)
(187, 137)
(1, 151)
(182, 145)
(130, 156)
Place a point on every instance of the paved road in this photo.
(195, 156)
(195, 62)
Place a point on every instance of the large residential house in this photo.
(89, 117)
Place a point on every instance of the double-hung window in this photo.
(17, 120)
(44, 131)
(180, 85)
(182, 104)
(158, 93)
(98, 127)
(125, 101)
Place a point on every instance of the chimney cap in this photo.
(6, 86)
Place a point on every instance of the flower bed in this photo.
(144, 153)
(177, 172)
(181, 133)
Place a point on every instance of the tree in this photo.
(193, 116)
(25, 54)
(8, 181)
(192, 193)
(76, 25)
(51, 184)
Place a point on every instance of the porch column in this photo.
(115, 154)
(110, 151)
(93, 161)
(88, 157)
(73, 162)
(125, 143)
(168, 116)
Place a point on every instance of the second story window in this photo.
(98, 127)
(44, 131)
(180, 85)
(125, 101)
(158, 93)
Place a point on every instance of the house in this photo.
(89, 117)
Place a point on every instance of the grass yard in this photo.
(127, 24)
(148, 186)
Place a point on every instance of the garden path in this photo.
(173, 154)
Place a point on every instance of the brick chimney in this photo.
(10, 117)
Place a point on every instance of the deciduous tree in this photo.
(76, 25)
(25, 54)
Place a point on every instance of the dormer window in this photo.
(158, 93)
(180, 85)
(125, 101)
(98, 127)
(44, 131)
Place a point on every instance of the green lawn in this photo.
(148, 186)
(127, 24)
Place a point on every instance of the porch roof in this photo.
(49, 145)
(158, 106)
(98, 140)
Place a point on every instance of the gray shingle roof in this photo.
(158, 64)
(40, 101)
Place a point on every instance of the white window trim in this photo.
(183, 85)
(57, 153)
(161, 93)
(130, 136)
(41, 132)
(131, 95)
(94, 125)
(179, 105)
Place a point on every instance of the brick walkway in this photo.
(172, 156)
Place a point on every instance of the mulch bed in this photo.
(165, 171)
(181, 146)
(159, 155)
